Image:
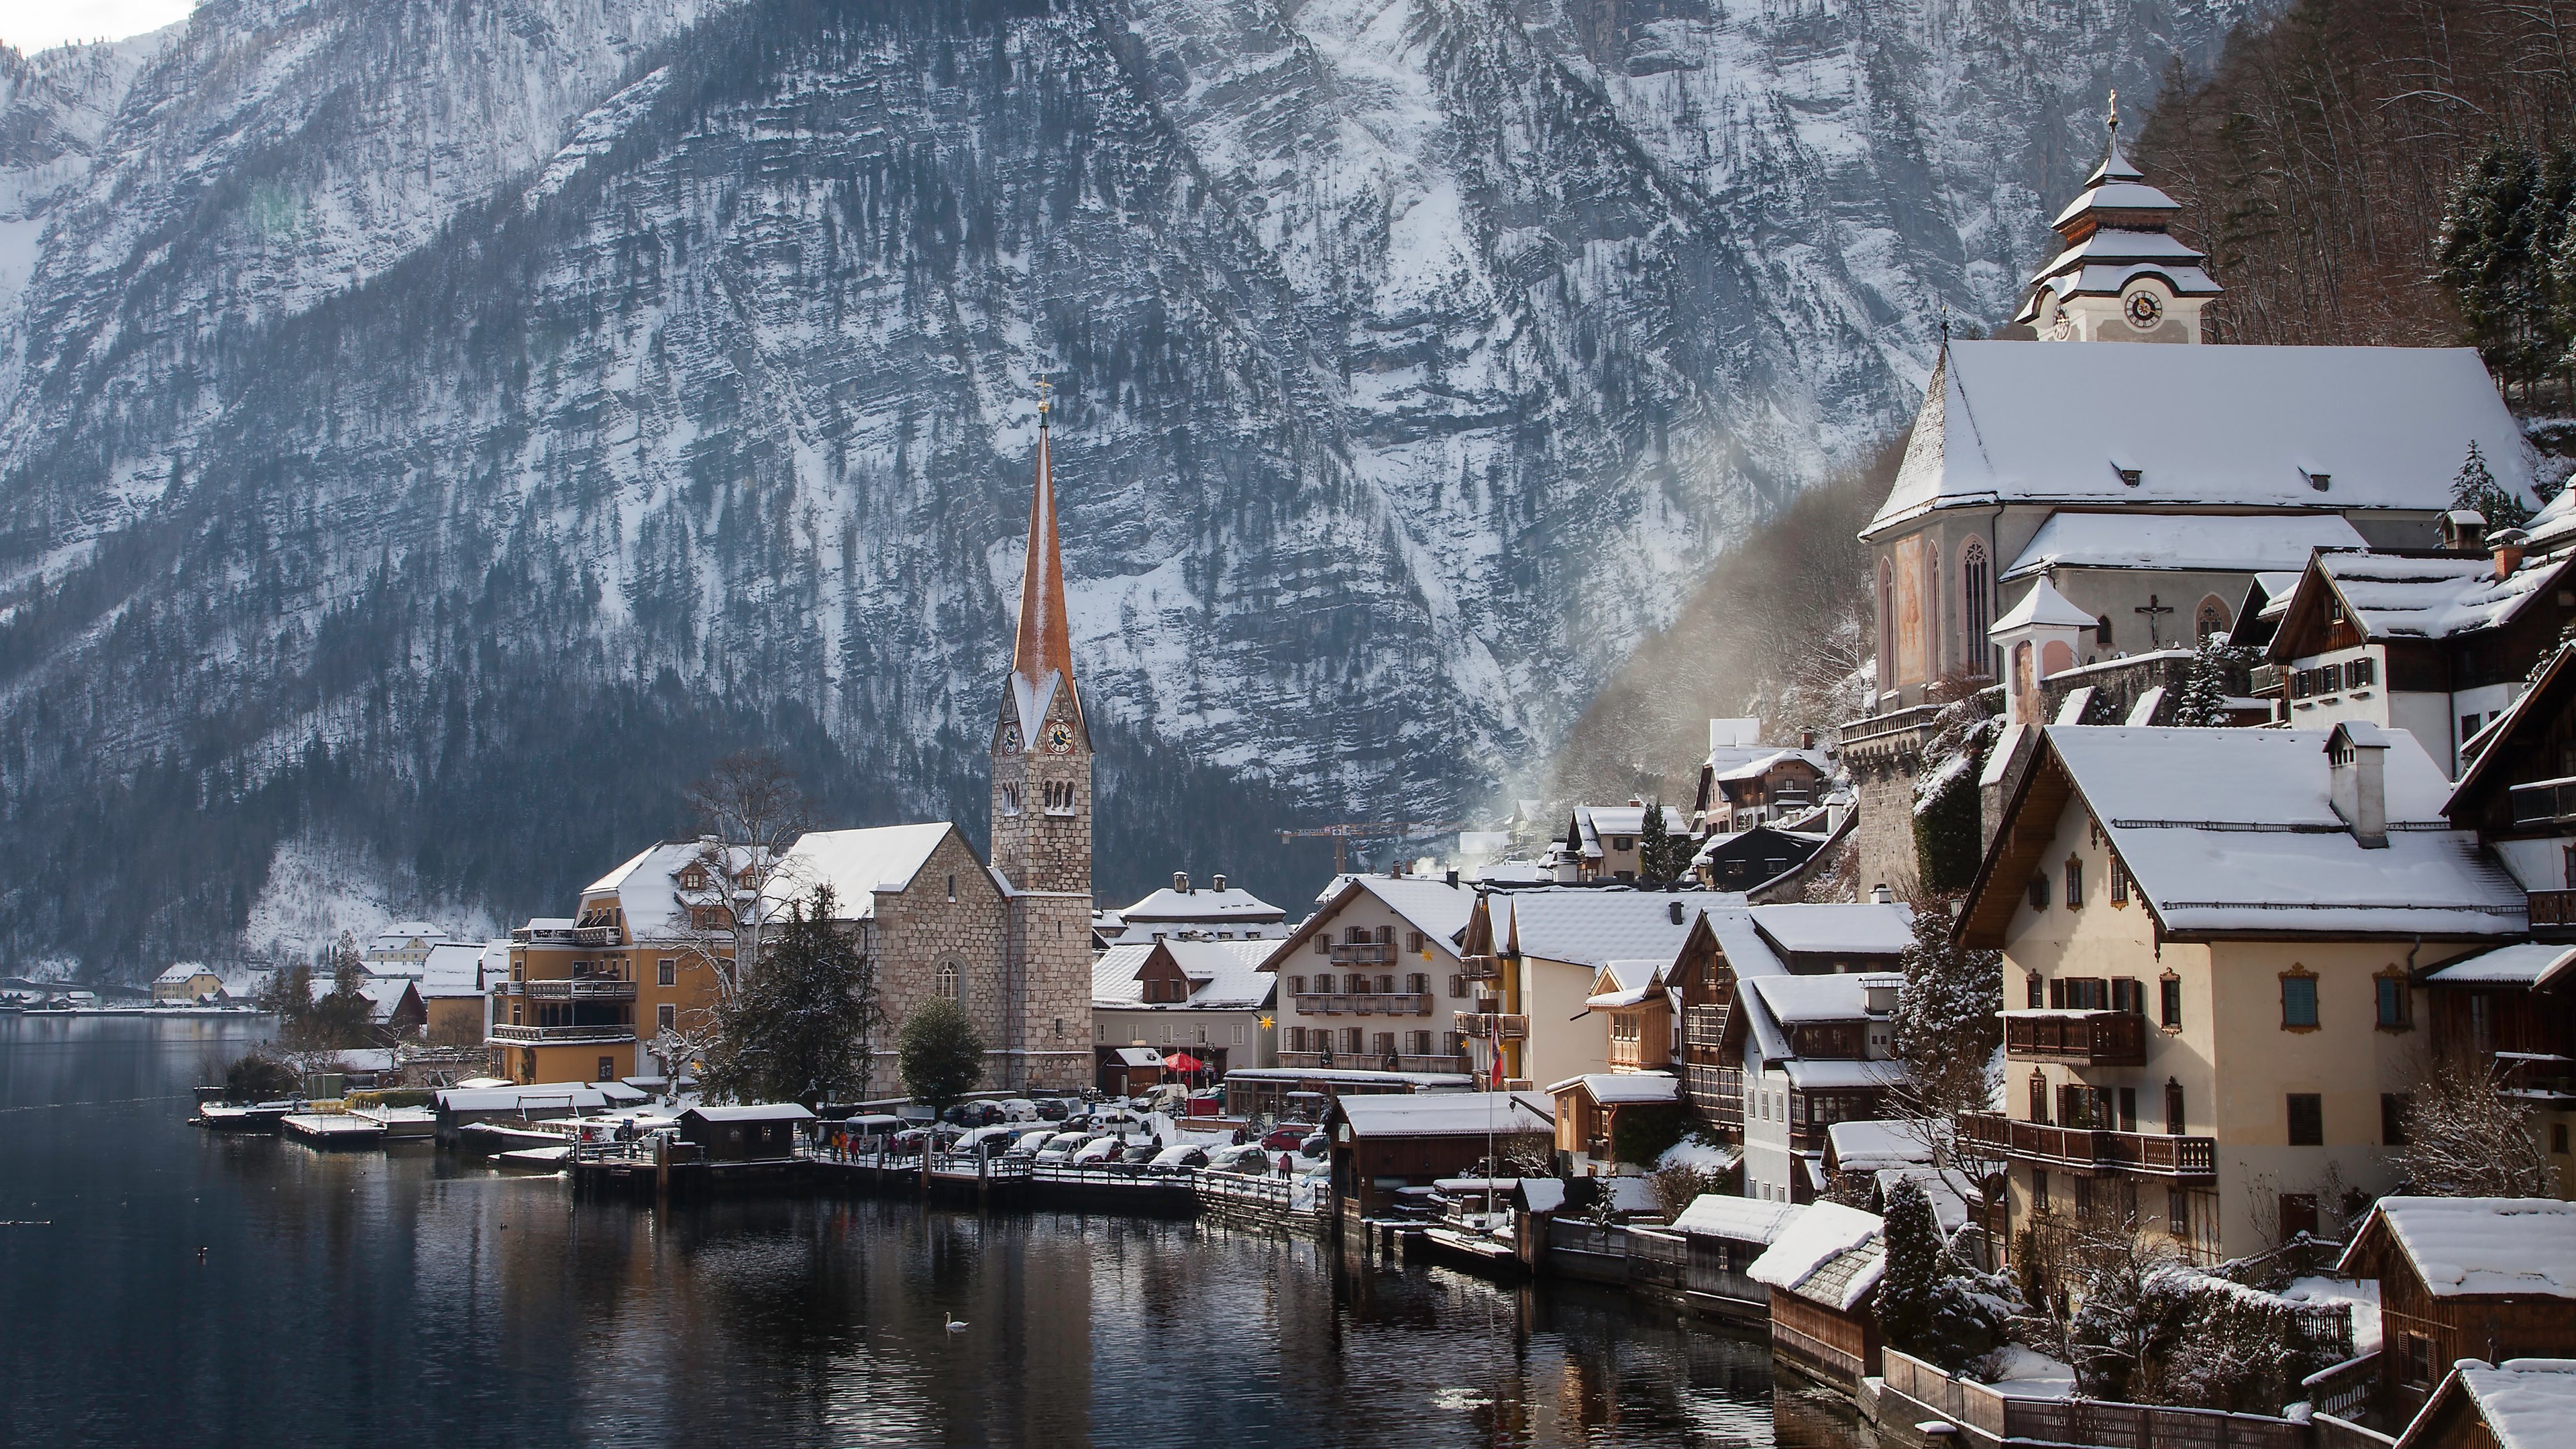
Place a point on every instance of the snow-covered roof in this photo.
(182, 971)
(1428, 903)
(1828, 1254)
(1137, 1056)
(1589, 925)
(2234, 831)
(1621, 1088)
(1869, 1146)
(1738, 1219)
(453, 968)
(403, 933)
(2527, 1403)
(647, 888)
(2236, 426)
(1223, 975)
(1612, 819)
(1833, 1074)
(1794, 1000)
(1234, 903)
(2432, 596)
(2199, 542)
(854, 863)
(2043, 606)
(1864, 928)
(2525, 963)
(1769, 760)
(1446, 1114)
(1629, 981)
(754, 1112)
(2482, 1246)
(547, 1096)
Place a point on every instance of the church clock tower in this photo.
(1041, 750)
(1042, 822)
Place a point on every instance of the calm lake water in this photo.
(407, 1297)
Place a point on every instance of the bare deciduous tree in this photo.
(750, 810)
(2467, 1135)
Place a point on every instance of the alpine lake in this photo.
(161, 1285)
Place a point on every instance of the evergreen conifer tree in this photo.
(2475, 487)
(799, 1030)
(1928, 1305)
(1655, 847)
(2204, 690)
(940, 1053)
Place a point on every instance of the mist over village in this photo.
(1372, 722)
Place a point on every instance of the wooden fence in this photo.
(2094, 1423)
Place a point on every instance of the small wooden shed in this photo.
(1382, 1144)
(2488, 1278)
(1823, 1271)
(752, 1133)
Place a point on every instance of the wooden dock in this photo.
(333, 1129)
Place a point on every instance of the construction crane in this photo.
(1342, 835)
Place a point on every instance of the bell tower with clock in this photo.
(1042, 821)
(2121, 275)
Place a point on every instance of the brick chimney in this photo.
(2505, 547)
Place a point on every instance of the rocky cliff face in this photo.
(438, 428)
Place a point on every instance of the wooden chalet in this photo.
(2484, 1278)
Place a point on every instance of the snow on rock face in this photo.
(1418, 353)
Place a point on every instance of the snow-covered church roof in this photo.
(2308, 429)
(2193, 542)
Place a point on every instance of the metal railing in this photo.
(568, 936)
(2094, 1038)
(2142, 1152)
(589, 988)
(1912, 720)
(1363, 1003)
(557, 1035)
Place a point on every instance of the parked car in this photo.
(1060, 1148)
(1018, 1109)
(990, 1141)
(973, 1114)
(1172, 1161)
(1251, 1158)
(1095, 1153)
(1052, 1110)
(1288, 1135)
(1136, 1158)
(1315, 1145)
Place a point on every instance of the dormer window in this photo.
(2132, 476)
(693, 879)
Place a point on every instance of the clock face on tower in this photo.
(2145, 309)
(1059, 738)
(1010, 739)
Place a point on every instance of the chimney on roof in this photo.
(2505, 547)
(1217, 883)
(1806, 739)
(1881, 895)
(1180, 882)
(2357, 770)
(2464, 530)
(1453, 877)
(1676, 907)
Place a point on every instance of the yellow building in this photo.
(2212, 941)
(628, 986)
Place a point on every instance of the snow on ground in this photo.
(315, 890)
(2029, 1374)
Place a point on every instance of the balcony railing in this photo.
(2085, 1039)
(568, 936)
(1704, 1026)
(1364, 953)
(1482, 968)
(2270, 681)
(1914, 720)
(1370, 1003)
(560, 1035)
(596, 988)
(2146, 1153)
(2543, 802)
(1368, 1062)
(2551, 908)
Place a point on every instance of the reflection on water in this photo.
(407, 1297)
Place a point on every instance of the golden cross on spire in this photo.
(2115, 112)
(1044, 387)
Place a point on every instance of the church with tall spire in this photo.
(1008, 940)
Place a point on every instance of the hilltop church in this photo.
(2135, 493)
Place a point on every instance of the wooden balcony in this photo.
(1363, 1003)
(2079, 1038)
(1364, 953)
(2543, 802)
(2551, 910)
(1364, 1062)
(2090, 1150)
(1482, 968)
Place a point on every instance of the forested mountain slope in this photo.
(429, 431)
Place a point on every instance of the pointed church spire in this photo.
(2114, 165)
(1045, 647)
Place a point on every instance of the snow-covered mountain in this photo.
(443, 424)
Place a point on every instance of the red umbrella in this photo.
(1183, 1062)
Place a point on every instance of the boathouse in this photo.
(1383, 1144)
(1823, 1273)
(758, 1132)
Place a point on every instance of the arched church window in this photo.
(1931, 609)
(1976, 600)
(2210, 618)
(1886, 625)
(2102, 631)
(944, 981)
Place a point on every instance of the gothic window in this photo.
(2210, 618)
(1886, 625)
(943, 984)
(1931, 609)
(2102, 632)
(1976, 600)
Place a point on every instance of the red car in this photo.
(1286, 1138)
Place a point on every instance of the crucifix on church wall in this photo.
(2155, 612)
